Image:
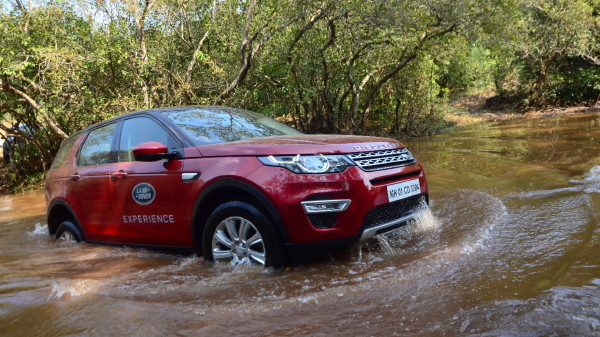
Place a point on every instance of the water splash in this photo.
(407, 239)
(40, 229)
(590, 182)
(423, 222)
(560, 311)
(74, 289)
(490, 212)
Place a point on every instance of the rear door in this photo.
(148, 195)
(89, 191)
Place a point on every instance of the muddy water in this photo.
(510, 246)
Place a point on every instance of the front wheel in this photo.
(68, 232)
(238, 233)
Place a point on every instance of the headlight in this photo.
(308, 163)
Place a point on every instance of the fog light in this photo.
(325, 206)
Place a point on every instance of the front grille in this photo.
(382, 160)
(389, 212)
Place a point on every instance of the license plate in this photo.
(403, 190)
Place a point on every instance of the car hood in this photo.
(301, 144)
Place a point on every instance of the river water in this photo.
(510, 247)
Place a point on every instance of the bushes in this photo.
(333, 66)
(555, 58)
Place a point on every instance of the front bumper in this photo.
(369, 233)
(369, 211)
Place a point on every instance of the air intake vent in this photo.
(382, 160)
(388, 213)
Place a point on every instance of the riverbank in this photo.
(476, 109)
(9, 184)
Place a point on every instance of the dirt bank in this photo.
(474, 109)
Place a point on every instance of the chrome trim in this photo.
(317, 202)
(369, 233)
(189, 176)
(376, 147)
(382, 160)
(380, 153)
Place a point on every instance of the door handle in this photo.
(74, 177)
(119, 175)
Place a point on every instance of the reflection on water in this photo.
(510, 246)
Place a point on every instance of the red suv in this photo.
(228, 184)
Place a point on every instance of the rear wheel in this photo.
(68, 231)
(238, 233)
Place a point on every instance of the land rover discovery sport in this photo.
(228, 184)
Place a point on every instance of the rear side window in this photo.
(97, 147)
(139, 130)
(61, 155)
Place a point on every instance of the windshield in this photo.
(209, 125)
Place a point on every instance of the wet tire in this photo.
(238, 233)
(68, 231)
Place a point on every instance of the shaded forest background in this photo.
(385, 67)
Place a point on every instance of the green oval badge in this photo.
(143, 193)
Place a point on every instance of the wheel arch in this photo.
(229, 189)
(59, 211)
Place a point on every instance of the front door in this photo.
(148, 195)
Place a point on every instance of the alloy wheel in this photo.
(237, 241)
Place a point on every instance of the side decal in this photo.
(143, 193)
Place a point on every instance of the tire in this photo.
(68, 231)
(238, 233)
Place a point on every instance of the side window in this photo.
(96, 150)
(61, 155)
(139, 130)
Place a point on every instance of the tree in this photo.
(554, 38)
(333, 66)
(40, 71)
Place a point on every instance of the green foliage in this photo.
(334, 66)
(468, 70)
(556, 57)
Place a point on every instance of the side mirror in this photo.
(152, 151)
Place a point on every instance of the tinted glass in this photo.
(207, 125)
(61, 155)
(97, 147)
(139, 130)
